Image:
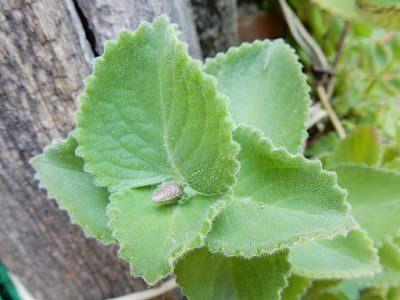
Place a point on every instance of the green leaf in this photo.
(393, 164)
(378, 293)
(320, 290)
(149, 115)
(394, 293)
(267, 89)
(360, 146)
(296, 288)
(153, 236)
(280, 199)
(389, 256)
(343, 8)
(374, 196)
(60, 171)
(382, 13)
(205, 275)
(347, 289)
(322, 146)
(342, 257)
(390, 152)
(376, 13)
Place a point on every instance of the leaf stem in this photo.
(151, 293)
(331, 113)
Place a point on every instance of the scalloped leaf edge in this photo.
(224, 56)
(343, 275)
(314, 164)
(227, 122)
(214, 210)
(389, 239)
(87, 232)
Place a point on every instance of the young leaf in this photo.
(153, 236)
(267, 89)
(393, 164)
(382, 13)
(280, 199)
(342, 257)
(149, 115)
(376, 13)
(360, 146)
(297, 286)
(374, 197)
(60, 171)
(205, 275)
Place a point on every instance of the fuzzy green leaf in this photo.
(296, 287)
(149, 114)
(205, 275)
(267, 89)
(342, 257)
(360, 146)
(374, 195)
(280, 199)
(153, 236)
(60, 171)
(389, 255)
(378, 13)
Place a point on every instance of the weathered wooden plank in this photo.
(44, 57)
(105, 18)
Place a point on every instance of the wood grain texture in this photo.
(115, 15)
(44, 57)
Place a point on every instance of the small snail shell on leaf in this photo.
(168, 192)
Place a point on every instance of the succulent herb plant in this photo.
(198, 170)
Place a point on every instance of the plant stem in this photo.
(331, 113)
(320, 62)
(304, 38)
(339, 51)
(151, 293)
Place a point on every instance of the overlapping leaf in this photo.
(149, 114)
(342, 257)
(347, 289)
(297, 286)
(60, 171)
(280, 200)
(374, 195)
(320, 290)
(389, 255)
(153, 236)
(267, 89)
(206, 275)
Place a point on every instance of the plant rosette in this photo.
(170, 157)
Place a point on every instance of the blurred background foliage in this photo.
(367, 76)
